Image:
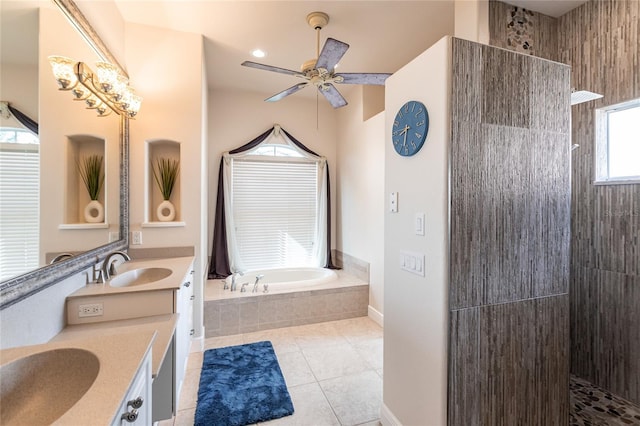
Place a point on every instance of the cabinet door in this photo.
(136, 407)
(184, 307)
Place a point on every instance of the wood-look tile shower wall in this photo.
(599, 40)
(510, 213)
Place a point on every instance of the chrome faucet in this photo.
(108, 267)
(234, 277)
(59, 257)
(255, 285)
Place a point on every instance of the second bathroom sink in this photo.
(40, 388)
(139, 276)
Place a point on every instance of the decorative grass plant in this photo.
(90, 169)
(165, 173)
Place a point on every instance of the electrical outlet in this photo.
(91, 310)
(136, 238)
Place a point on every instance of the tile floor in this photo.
(333, 371)
(334, 374)
(594, 406)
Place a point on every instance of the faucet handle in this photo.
(112, 268)
(99, 279)
(244, 287)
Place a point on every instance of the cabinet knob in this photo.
(192, 332)
(187, 284)
(130, 416)
(192, 297)
(136, 403)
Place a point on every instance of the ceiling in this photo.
(383, 35)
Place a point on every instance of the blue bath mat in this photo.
(241, 385)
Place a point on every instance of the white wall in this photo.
(40, 317)
(166, 69)
(60, 116)
(19, 84)
(236, 118)
(416, 307)
(360, 192)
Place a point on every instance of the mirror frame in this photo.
(19, 288)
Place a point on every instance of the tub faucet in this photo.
(109, 268)
(255, 285)
(234, 277)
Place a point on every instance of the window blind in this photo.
(19, 208)
(274, 208)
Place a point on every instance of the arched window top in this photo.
(18, 136)
(275, 150)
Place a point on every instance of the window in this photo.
(19, 197)
(618, 143)
(275, 207)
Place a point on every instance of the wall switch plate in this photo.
(412, 262)
(393, 202)
(136, 238)
(419, 223)
(91, 310)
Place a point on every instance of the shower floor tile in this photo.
(594, 406)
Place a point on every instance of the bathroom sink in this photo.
(139, 276)
(39, 388)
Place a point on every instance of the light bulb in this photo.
(107, 76)
(63, 71)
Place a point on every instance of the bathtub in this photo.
(285, 279)
(296, 296)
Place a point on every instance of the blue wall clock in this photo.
(410, 128)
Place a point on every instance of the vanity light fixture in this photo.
(103, 90)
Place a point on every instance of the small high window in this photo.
(618, 143)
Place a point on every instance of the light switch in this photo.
(412, 262)
(419, 223)
(393, 202)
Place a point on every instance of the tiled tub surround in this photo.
(227, 313)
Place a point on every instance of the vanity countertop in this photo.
(179, 266)
(120, 356)
(163, 325)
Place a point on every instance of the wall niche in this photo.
(80, 210)
(160, 211)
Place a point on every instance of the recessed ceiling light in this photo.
(259, 53)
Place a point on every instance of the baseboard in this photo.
(197, 343)
(387, 418)
(375, 315)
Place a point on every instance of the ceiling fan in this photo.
(320, 72)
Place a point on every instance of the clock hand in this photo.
(404, 143)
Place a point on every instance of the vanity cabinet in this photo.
(184, 330)
(135, 408)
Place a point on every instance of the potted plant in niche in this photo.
(92, 174)
(165, 172)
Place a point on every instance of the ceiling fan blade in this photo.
(287, 92)
(334, 97)
(363, 78)
(271, 68)
(332, 52)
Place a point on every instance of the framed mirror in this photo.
(61, 228)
